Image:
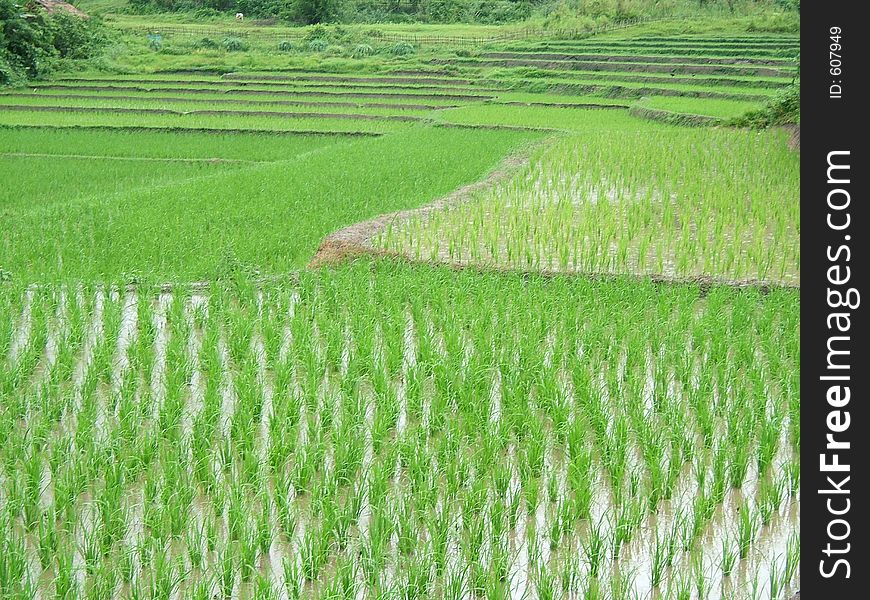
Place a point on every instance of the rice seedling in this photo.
(594, 549)
(727, 557)
(747, 527)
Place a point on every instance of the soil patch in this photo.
(57, 6)
(794, 136)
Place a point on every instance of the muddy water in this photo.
(529, 544)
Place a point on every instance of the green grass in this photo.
(627, 89)
(270, 218)
(627, 68)
(688, 52)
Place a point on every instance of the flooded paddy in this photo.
(376, 431)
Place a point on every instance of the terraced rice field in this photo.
(591, 411)
(657, 216)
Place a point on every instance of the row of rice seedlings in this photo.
(300, 82)
(656, 202)
(181, 105)
(295, 89)
(345, 444)
(194, 122)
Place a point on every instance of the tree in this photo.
(31, 40)
(312, 12)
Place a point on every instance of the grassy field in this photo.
(551, 388)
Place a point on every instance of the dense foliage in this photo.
(32, 41)
(783, 109)
(455, 11)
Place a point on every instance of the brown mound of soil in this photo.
(53, 6)
(794, 142)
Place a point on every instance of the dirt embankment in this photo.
(212, 130)
(275, 93)
(673, 118)
(349, 79)
(576, 65)
(211, 113)
(794, 136)
(639, 58)
(241, 101)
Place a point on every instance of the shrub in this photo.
(402, 49)
(784, 108)
(206, 43)
(155, 41)
(31, 43)
(234, 44)
(361, 50)
(286, 46)
(318, 32)
(318, 45)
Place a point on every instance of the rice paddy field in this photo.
(561, 360)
